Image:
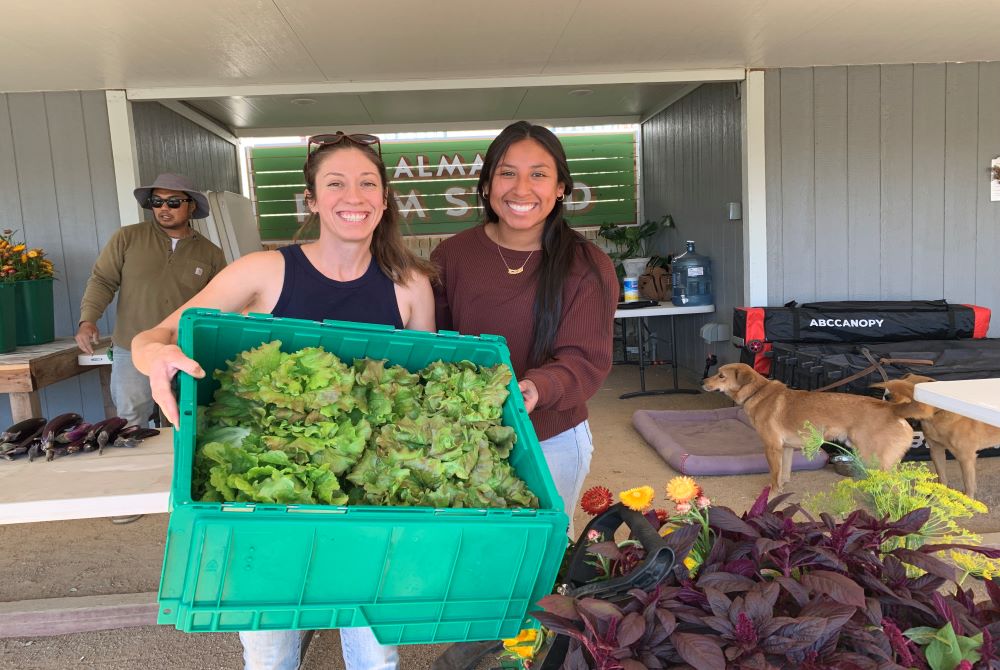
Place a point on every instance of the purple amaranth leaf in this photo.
(717, 601)
(926, 562)
(631, 629)
(908, 524)
(608, 550)
(760, 505)
(725, 519)
(726, 582)
(947, 613)
(842, 589)
(988, 552)
(798, 592)
(701, 651)
(772, 505)
(667, 620)
(560, 605)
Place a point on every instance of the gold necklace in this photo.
(510, 270)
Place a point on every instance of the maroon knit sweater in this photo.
(476, 295)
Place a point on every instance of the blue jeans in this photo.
(568, 456)
(280, 649)
(130, 389)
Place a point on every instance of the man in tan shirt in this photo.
(155, 267)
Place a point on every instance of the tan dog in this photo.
(778, 413)
(962, 436)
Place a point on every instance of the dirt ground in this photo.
(96, 557)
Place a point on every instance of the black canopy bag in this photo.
(756, 328)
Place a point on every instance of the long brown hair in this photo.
(559, 242)
(387, 245)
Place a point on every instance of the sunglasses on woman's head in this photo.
(360, 139)
(155, 202)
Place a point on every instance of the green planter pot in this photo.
(34, 312)
(8, 329)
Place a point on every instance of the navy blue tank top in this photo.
(308, 294)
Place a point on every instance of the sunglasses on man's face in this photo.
(360, 139)
(155, 202)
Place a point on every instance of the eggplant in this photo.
(76, 434)
(22, 429)
(103, 432)
(134, 437)
(54, 427)
(9, 450)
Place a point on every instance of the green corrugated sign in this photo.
(435, 183)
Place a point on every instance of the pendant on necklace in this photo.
(515, 271)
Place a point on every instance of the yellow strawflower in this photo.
(524, 644)
(638, 498)
(18, 248)
(683, 489)
(33, 253)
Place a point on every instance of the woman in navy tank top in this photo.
(358, 270)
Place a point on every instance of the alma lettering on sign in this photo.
(459, 201)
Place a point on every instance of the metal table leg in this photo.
(642, 366)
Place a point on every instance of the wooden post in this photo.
(109, 406)
(24, 406)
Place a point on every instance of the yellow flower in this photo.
(24, 258)
(33, 253)
(683, 489)
(18, 248)
(638, 498)
(524, 644)
(690, 563)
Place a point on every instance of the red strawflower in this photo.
(661, 515)
(596, 500)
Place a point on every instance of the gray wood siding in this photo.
(878, 183)
(691, 169)
(167, 142)
(57, 187)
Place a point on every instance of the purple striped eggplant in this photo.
(132, 438)
(22, 429)
(9, 450)
(53, 428)
(75, 434)
(103, 432)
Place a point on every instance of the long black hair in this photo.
(559, 241)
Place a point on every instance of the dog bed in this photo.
(710, 442)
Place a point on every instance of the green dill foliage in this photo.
(896, 492)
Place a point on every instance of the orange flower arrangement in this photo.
(18, 262)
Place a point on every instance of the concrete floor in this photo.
(95, 557)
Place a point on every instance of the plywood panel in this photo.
(928, 180)
(691, 169)
(797, 178)
(896, 181)
(167, 142)
(961, 173)
(987, 212)
(863, 183)
(37, 187)
(830, 183)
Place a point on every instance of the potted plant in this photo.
(8, 326)
(632, 241)
(33, 302)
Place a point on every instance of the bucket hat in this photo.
(175, 182)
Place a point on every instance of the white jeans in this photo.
(568, 456)
(280, 650)
(130, 389)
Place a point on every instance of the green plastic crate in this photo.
(414, 574)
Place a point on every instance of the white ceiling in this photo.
(232, 57)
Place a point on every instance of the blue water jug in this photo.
(692, 277)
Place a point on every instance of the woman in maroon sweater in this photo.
(526, 275)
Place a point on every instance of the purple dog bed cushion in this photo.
(710, 442)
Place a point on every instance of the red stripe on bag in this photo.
(755, 323)
(762, 362)
(981, 320)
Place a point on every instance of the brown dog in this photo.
(962, 436)
(778, 413)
